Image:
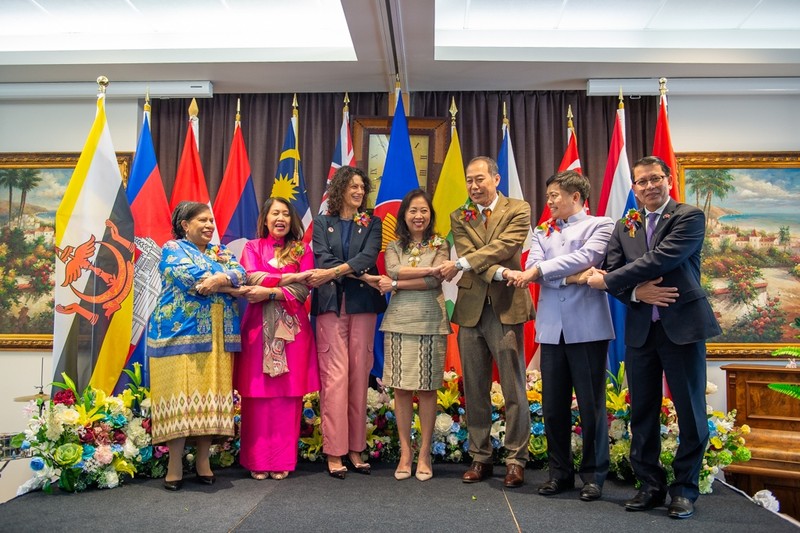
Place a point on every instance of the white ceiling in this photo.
(347, 45)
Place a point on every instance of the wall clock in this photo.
(428, 137)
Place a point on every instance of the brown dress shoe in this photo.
(515, 476)
(477, 472)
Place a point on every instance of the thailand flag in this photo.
(152, 228)
(616, 198)
(236, 208)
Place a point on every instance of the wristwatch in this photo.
(459, 266)
(394, 285)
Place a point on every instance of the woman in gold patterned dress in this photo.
(191, 336)
(415, 325)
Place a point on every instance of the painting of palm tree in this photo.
(31, 188)
(751, 251)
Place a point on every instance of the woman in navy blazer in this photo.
(346, 245)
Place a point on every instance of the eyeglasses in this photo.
(653, 180)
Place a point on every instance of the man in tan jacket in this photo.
(489, 231)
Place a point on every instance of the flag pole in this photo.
(296, 120)
(238, 112)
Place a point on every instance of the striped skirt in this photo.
(413, 362)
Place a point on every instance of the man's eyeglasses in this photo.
(653, 180)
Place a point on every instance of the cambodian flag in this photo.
(152, 228)
(236, 207)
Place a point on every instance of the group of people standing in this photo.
(651, 266)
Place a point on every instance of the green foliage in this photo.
(789, 389)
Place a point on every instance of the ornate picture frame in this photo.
(752, 246)
(31, 187)
(429, 137)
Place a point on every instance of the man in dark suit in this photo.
(488, 233)
(653, 266)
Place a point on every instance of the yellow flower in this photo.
(447, 398)
(745, 429)
(616, 401)
(716, 442)
(127, 398)
(534, 395)
(87, 417)
(314, 442)
(121, 465)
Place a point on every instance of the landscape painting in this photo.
(751, 255)
(31, 188)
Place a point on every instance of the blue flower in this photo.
(462, 434)
(88, 452)
(389, 415)
(465, 446)
(495, 443)
(455, 427)
(237, 419)
(309, 413)
(79, 465)
(439, 448)
(495, 416)
(461, 410)
(118, 420)
(25, 445)
(537, 428)
(712, 428)
(536, 409)
(37, 463)
(116, 448)
(146, 453)
(664, 429)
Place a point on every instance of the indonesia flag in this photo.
(236, 208)
(510, 187)
(152, 228)
(190, 181)
(616, 198)
(662, 144)
(343, 154)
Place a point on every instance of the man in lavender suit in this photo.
(573, 327)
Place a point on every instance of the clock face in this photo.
(376, 159)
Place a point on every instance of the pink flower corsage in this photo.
(469, 212)
(632, 221)
(362, 219)
(548, 227)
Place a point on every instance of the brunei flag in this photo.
(94, 267)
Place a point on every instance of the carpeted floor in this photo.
(310, 500)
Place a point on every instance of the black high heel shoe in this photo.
(208, 480)
(338, 473)
(173, 485)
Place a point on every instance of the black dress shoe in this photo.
(591, 492)
(554, 486)
(680, 507)
(173, 485)
(208, 480)
(644, 501)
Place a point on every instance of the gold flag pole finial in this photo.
(621, 101)
(194, 110)
(238, 110)
(569, 117)
(505, 115)
(147, 99)
(662, 86)
(346, 102)
(453, 112)
(102, 83)
(294, 105)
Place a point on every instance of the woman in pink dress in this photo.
(278, 363)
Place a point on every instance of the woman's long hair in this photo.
(293, 238)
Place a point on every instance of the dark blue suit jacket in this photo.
(675, 257)
(365, 244)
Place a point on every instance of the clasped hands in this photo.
(649, 292)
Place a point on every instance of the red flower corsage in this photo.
(632, 221)
(362, 219)
(548, 227)
(297, 250)
(469, 212)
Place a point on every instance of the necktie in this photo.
(486, 214)
(652, 220)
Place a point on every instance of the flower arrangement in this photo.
(90, 439)
(361, 219)
(549, 226)
(469, 211)
(95, 440)
(632, 221)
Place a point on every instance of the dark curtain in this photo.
(537, 120)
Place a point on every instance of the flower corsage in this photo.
(548, 227)
(220, 255)
(361, 219)
(296, 251)
(632, 221)
(469, 212)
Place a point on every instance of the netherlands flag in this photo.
(616, 198)
(235, 207)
